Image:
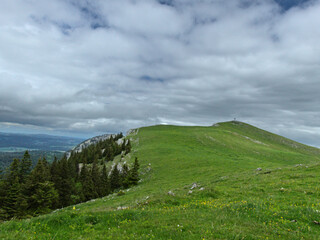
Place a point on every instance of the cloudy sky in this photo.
(81, 68)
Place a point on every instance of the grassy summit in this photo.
(230, 200)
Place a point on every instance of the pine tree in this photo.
(65, 185)
(128, 147)
(96, 177)
(134, 173)
(11, 190)
(14, 171)
(25, 167)
(24, 194)
(43, 195)
(88, 188)
(125, 176)
(11, 205)
(3, 194)
(115, 178)
(105, 183)
(56, 179)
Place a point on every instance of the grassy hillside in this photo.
(232, 200)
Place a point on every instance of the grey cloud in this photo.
(88, 67)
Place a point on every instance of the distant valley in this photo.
(13, 145)
(13, 142)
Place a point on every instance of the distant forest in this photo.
(7, 157)
(37, 142)
(27, 191)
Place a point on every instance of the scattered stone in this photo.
(316, 222)
(293, 221)
(190, 191)
(282, 189)
(194, 185)
(201, 189)
(171, 193)
(121, 193)
(122, 208)
(298, 165)
(259, 169)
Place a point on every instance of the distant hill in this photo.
(13, 145)
(19, 142)
(227, 181)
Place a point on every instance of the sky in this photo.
(84, 68)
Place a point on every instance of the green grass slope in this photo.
(232, 199)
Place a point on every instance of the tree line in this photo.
(26, 192)
(6, 157)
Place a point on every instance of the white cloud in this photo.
(85, 67)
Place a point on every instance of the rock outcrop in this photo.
(88, 142)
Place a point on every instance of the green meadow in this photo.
(228, 181)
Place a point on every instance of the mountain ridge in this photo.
(231, 181)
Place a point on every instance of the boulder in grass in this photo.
(171, 193)
(194, 185)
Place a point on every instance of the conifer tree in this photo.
(83, 173)
(11, 205)
(88, 188)
(3, 194)
(14, 171)
(66, 184)
(25, 167)
(44, 197)
(115, 178)
(43, 194)
(24, 194)
(125, 176)
(105, 183)
(56, 179)
(134, 173)
(128, 147)
(96, 177)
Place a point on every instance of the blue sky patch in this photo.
(151, 79)
(287, 4)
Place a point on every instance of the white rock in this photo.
(194, 185)
(171, 193)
